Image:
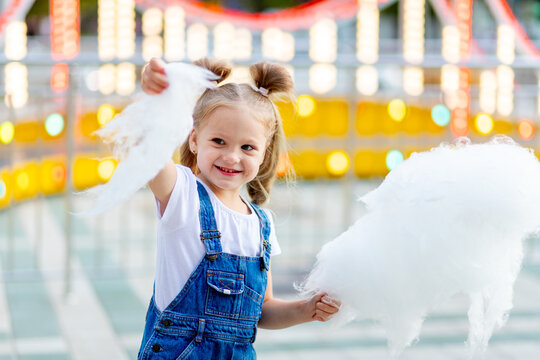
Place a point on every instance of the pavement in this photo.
(98, 312)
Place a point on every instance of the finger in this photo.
(321, 316)
(157, 65)
(160, 80)
(326, 308)
(155, 89)
(331, 301)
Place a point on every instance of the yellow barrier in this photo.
(25, 181)
(48, 177)
(5, 188)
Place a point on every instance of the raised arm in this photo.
(153, 82)
(163, 184)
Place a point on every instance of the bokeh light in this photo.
(197, 41)
(305, 105)
(367, 80)
(441, 115)
(322, 78)
(484, 123)
(59, 77)
(54, 124)
(106, 169)
(525, 129)
(22, 181)
(284, 165)
(58, 173)
(3, 189)
(105, 114)
(393, 159)
(337, 163)
(7, 131)
(397, 109)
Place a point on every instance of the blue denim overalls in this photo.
(215, 315)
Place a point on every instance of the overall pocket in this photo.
(251, 304)
(224, 293)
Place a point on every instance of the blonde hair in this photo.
(274, 79)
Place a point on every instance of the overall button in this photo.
(166, 323)
(157, 348)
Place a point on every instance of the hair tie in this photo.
(262, 91)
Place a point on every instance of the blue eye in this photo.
(218, 141)
(247, 147)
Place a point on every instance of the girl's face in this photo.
(230, 146)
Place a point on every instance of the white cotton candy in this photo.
(444, 222)
(146, 133)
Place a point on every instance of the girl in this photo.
(213, 284)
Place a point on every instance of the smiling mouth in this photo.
(227, 171)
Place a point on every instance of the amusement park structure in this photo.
(365, 102)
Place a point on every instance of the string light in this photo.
(174, 33)
(322, 78)
(15, 40)
(125, 78)
(367, 31)
(450, 44)
(224, 36)
(106, 29)
(323, 41)
(505, 90)
(107, 79)
(16, 85)
(413, 80)
(65, 33)
(488, 91)
(277, 45)
(125, 29)
(59, 77)
(242, 44)
(506, 44)
(152, 25)
(413, 30)
(197, 41)
(367, 80)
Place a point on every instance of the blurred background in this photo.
(376, 80)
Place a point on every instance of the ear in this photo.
(193, 141)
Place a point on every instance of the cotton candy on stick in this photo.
(146, 133)
(444, 222)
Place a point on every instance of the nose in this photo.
(231, 156)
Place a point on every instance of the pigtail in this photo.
(219, 67)
(275, 78)
(277, 81)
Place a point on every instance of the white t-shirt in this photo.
(179, 247)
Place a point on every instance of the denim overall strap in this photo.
(210, 235)
(265, 235)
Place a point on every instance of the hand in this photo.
(153, 77)
(323, 307)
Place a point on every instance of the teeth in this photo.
(226, 170)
